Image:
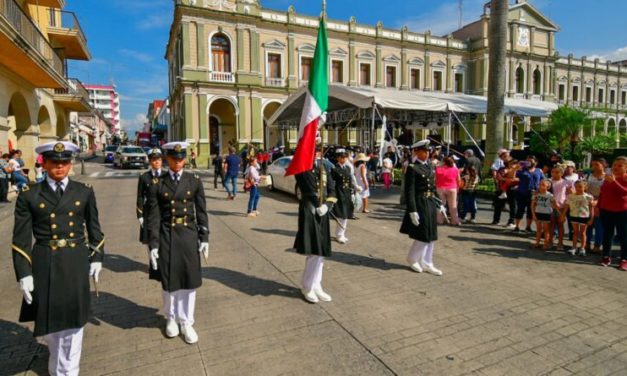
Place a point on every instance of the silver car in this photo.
(280, 182)
(129, 157)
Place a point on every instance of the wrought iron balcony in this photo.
(65, 31)
(74, 96)
(28, 48)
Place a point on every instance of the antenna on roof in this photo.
(461, 8)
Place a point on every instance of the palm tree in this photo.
(566, 124)
(496, 76)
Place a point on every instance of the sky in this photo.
(127, 38)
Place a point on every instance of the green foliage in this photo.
(598, 144)
(562, 134)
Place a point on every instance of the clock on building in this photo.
(523, 36)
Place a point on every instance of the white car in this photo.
(130, 156)
(278, 180)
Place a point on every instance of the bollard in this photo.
(83, 172)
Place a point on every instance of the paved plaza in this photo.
(501, 308)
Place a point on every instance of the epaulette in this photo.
(25, 188)
(155, 181)
(88, 185)
(411, 165)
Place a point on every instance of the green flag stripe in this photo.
(319, 76)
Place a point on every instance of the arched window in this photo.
(520, 80)
(220, 53)
(537, 82)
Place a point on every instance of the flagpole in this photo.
(321, 126)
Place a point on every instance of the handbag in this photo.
(247, 185)
(357, 202)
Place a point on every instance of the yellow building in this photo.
(232, 63)
(36, 96)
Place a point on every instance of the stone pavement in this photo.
(501, 308)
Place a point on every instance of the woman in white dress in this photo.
(361, 175)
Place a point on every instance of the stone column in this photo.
(240, 48)
(448, 71)
(203, 125)
(352, 63)
(243, 131)
(254, 52)
(292, 82)
(201, 45)
(186, 45)
(529, 79)
(427, 70)
(512, 78)
(379, 67)
(257, 120)
(404, 70)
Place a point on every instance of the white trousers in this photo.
(65, 351)
(179, 306)
(341, 232)
(312, 275)
(421, 252)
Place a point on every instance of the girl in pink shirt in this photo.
(446, 183)
(560, 188)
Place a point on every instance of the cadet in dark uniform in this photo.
(178, 232)
(422, 207)
(313, 238)
(54, 272)
(143, 191)
(343, 210)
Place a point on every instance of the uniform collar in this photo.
(53, 183)
(155, 172)
(172, 173)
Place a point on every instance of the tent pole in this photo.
(374, 109)
(384, 127)
(468, 133)
(448, 137)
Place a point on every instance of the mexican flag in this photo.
(316, 103)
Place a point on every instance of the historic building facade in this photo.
(232, 64)
(36, 96)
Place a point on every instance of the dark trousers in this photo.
(469, 204)
(499, 204)
(216, 175)
(523, 204)
(4, 189)
(614, 221)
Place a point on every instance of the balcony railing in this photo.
(66, 20)
(75, 87)
(227, 77)
(26, 28)
(275, 82)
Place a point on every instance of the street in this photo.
(501, 308)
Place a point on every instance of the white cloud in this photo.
(155, 21)
(618, 54)
(445, 18)
(136, 55)
(134, 124)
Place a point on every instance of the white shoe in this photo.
(310, 296)
(416, 267)
(171, 328)
(511, 226)
(342, 240)
(322, 295)
(572, 252)
(431, 269)
(189, 334)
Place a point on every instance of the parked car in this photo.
(130, 156)
(278, 180)
(109, 153)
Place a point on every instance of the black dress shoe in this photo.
(354, 217)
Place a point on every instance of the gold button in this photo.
(173, 210)
(77, 203)
(189, 193)
(42, 205)
(185, 210)
(72, 245)
(52, 215)
(55, 237)
(71, 214)
(71, 234)
(53, 226)
(185, 201)
(172, 202)
(165, 194)
(71, 224)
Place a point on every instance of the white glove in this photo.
(204, 249)
(154, 255)
(141, 221)
(322, 210)
(94, 270)
(27, 286)
(443, 209)
(415, 218)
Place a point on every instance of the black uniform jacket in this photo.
(177, 224)
(342, 176)
(313, 237)
(420, 197)
(144, 184)
(60, 256)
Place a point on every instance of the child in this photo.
(468, 185)
(386, 172)
(542, 206)
(560, 188)
(509, 180)
(581, 206)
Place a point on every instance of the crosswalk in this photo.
(131, 174)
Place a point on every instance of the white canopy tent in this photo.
(431, 109)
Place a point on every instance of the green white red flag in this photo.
(316, 104)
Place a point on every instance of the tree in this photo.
(496, 76)
(566, 124)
